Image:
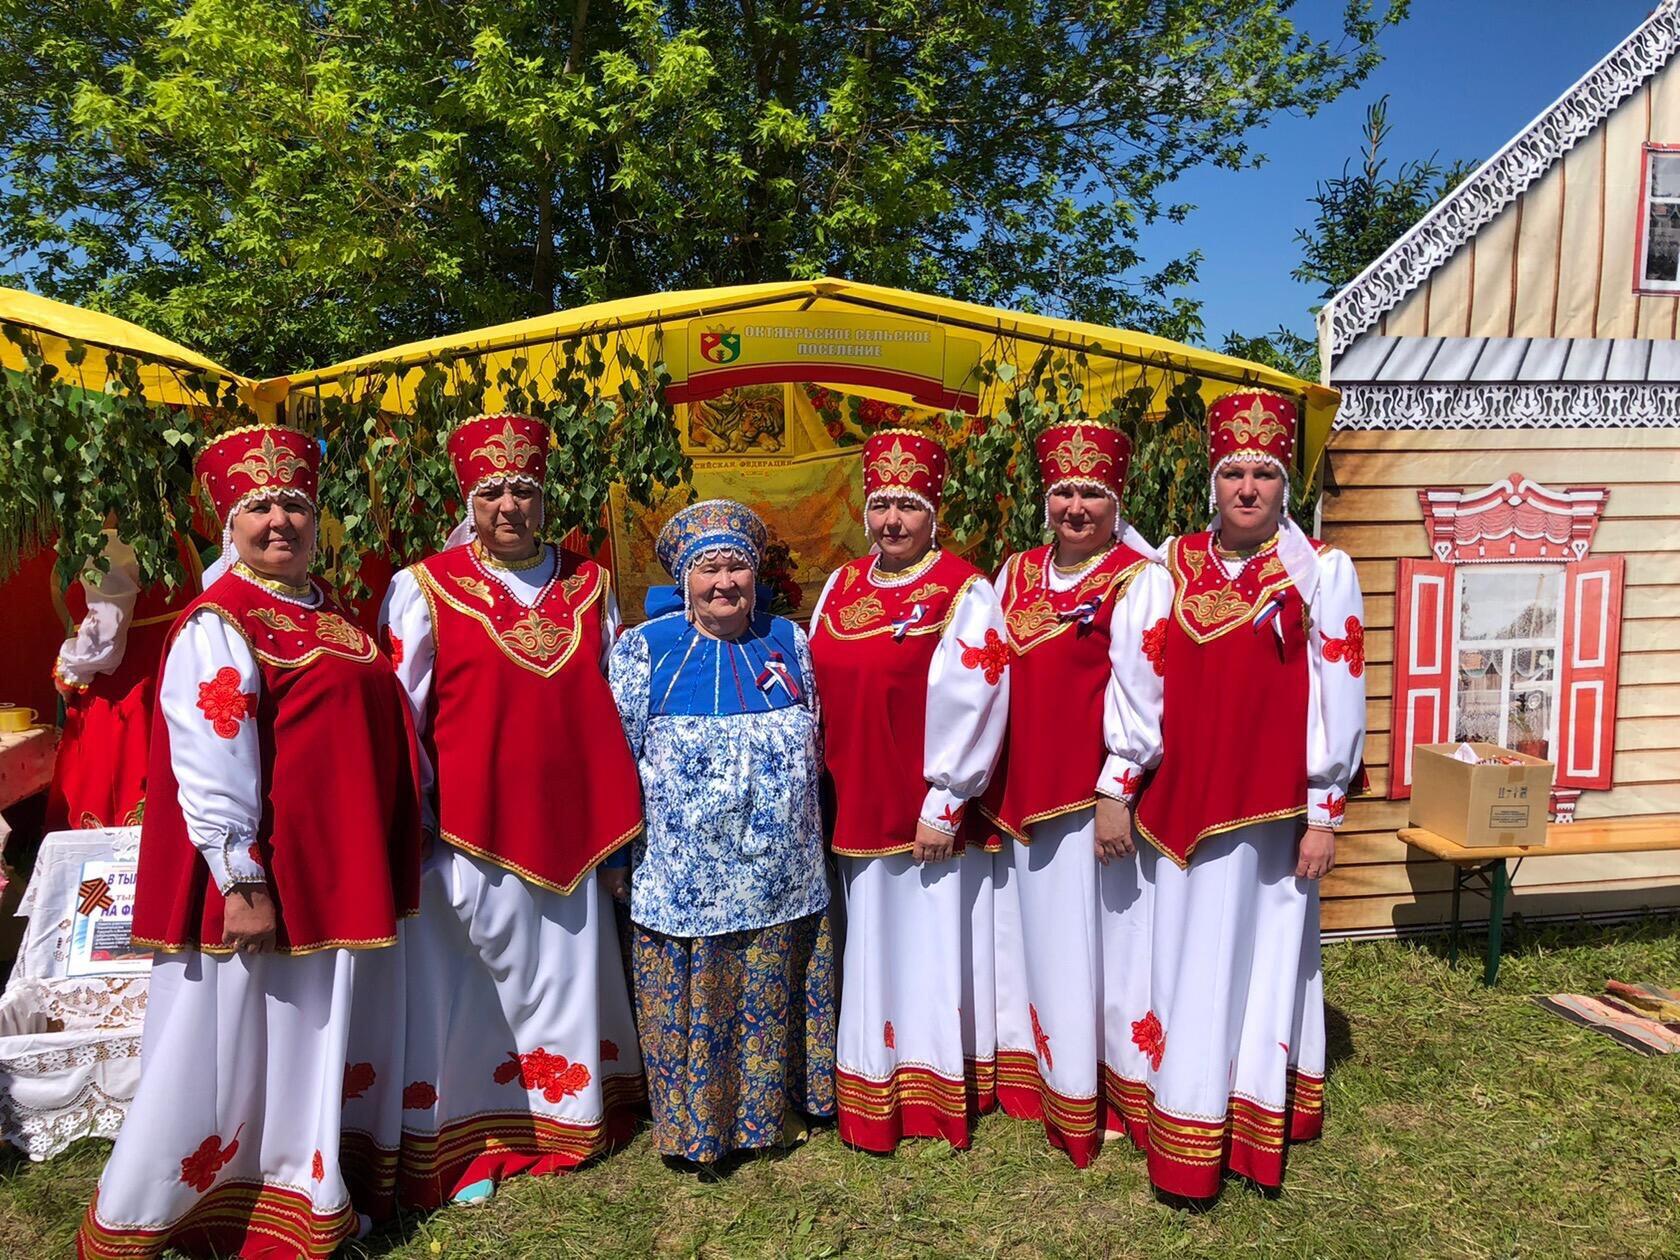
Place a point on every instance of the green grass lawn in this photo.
(1461, 1122)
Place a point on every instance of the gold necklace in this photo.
(515, 566)
(1244, 555)
(273, 584)
(905, 575)
(1084, 566)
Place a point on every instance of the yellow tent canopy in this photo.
(164, 366)
(867, 338)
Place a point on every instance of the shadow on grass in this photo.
(406, 1224)
(1338, 1039)
(1524, 939)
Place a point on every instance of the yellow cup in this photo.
(14, 719)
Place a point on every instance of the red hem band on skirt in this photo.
(253, 1219)
(499, 1145)
(1069, 1123)
(1190, 1157)
(369, 1171)
(914, 1102)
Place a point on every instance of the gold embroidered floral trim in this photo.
(861, 611)
(269, 464)
(507, 449)
(898, 466)
(476, 588)
(524, 642)
(277, 620)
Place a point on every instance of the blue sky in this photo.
(1462, 76)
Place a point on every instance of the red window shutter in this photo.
(1423, 666)
(1592, 640)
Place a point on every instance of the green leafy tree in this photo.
(1362, 212)
(284, 184)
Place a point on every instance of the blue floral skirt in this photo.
(737, 1035)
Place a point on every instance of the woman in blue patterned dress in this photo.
(733, 957)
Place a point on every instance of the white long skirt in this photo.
(268, 1096)
(522, 1053)
(1235, 1021)
(1072, 939)
(918, 1035)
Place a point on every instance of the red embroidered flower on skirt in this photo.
(1149, 1037)
(992, 656)
(223, 704)
(1351, 649)
(539, 1069)
(358, 1079)
(1130, 781)
(419, 1096)
(1155, 646)
(887, 1037)
(609, 1051)
(318, 1167)
(396, 649)
(1335, 807)
(1041, 1040)
(199, 1169)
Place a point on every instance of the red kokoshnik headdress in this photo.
(905, 463)
(1251, 426)
(491, 448)
(1084, 455)
(256, 460)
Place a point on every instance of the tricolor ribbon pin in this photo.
(776, 673)
(1269, 611)
(1084, 613)
(901, 627)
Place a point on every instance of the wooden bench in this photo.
(1484, 870)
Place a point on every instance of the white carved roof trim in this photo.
(1500, 180)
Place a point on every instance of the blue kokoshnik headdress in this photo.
(710, 525)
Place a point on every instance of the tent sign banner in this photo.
(911, 357)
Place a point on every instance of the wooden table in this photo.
(1483, 869)
(26, 762)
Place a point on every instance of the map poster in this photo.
(101, 919)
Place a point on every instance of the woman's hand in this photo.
(1318, 854)
(931, 844)
(1114, 829)
(616, 880)
(248, 919)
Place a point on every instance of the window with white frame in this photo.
(1508, 640)
(1659, 234)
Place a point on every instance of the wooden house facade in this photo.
(1506, 475)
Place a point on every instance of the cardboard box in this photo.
(1478, 806)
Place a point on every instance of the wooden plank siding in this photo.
(1559, 261)
(1379, 883)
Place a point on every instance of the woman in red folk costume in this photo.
(107, 673)
(522, 1055)
(1066, 930)
(908, 650)
(1260, 654)
(280, 848)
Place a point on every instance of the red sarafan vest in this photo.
(340, 830)
(1054, 750)
(99, 776)
(531, 767)
(872, 648)
(1234, 722)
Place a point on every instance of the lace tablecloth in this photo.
(69, 1045)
